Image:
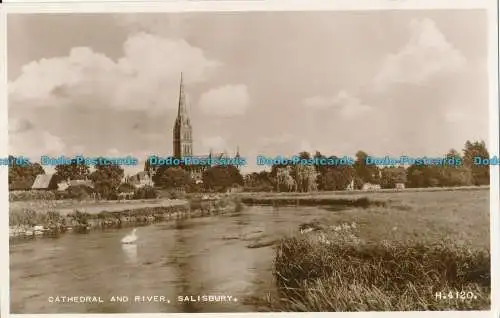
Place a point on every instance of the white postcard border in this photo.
(17, 6)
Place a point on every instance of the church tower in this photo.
(183, 143)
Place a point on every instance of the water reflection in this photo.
(224, 255)
(130, 252)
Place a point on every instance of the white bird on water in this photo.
(131, 238)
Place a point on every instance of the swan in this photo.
(131, 238)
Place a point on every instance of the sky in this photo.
(275, 83)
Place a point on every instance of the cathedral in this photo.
(183, 138)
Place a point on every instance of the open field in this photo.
(395, 257)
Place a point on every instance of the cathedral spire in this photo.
(181, 112)
(182, 143)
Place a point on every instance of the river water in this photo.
(227, 255)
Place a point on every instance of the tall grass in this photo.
(30, 218)
(31, 195)
(336, 271)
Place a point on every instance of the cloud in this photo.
(145, 78)
(273, 140)
(318, 102)
(347, 105)
(113, 152)
(229, 100)
(35, 143)
(53, 144)
(20, 125)
(426, 54)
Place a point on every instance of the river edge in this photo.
(42, 218)
(30, 219)
(29, 223)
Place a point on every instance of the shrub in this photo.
(146, 192)
(79, 192)
(126, 188)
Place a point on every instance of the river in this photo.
(228, 255)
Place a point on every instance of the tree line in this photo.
(107, 179)
(338, 177)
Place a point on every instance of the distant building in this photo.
(399, 186)
(235, 189)
(45, 182)
(140, 180)
(61, 186)
(183, 139)
(369, 187)
(125, 195)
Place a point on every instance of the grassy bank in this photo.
(38, 218)
(313, 201)
(361, 192)
(395, 257)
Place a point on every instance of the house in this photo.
(370, 187)
(140, 180)
(399, 186)
(125, 195)
(45, 182)
(61, 186)
(235, 189)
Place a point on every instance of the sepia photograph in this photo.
(249, 161)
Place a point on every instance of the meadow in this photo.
(401, 256)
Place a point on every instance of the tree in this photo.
(452, 175)
(367, 173)
(220, 178)
(391, 176)
(149, 168)
(147, 192)
(320, 168)
(336, 177)
(304, 155)
(24, 173)
(259, 181)
(73, 171)
(171, 177)
(480, 173)
(106, 179)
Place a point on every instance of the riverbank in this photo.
(298, 200)
(29, 219)
(390, 258)
(358, 193)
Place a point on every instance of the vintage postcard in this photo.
(237, 160)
